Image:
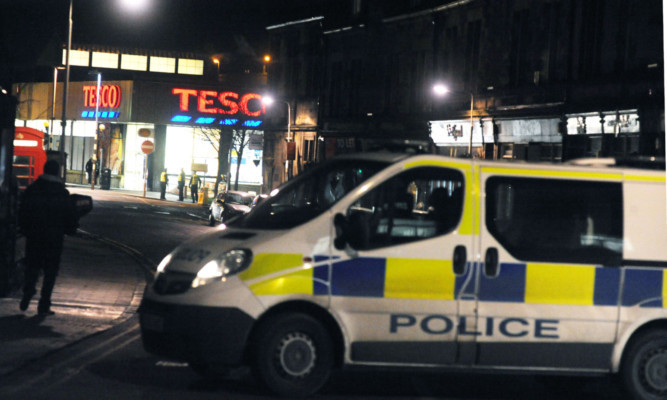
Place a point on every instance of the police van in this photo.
(424, 261)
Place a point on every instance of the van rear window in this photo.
(556, 220)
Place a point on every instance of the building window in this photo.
(105, 60)
(520, 49)
(190, 67)
(133, 62)
(163, 64)
(76, 57)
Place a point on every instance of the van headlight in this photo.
(228, 263)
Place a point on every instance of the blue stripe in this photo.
(509, 286)
(641, 285)
(362, 277)
(607, 284)
(320, 275)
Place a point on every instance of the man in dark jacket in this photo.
(46, 214)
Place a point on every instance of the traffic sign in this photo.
(147, 147)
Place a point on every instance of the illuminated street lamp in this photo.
(441, 90)
(267, 60)
(216, 61)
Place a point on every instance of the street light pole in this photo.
(472, 107)
(63, 124)
(97, 130)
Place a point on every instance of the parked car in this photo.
(228, 205)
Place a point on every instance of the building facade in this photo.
(180, 103)
(525, 79)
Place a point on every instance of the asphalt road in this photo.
(113, 365)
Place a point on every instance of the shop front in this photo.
(187, 124)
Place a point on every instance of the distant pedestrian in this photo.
(164, 179)
(89, 169)
(195, 182)
(181, 184)
(46, 214)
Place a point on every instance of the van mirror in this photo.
(358, 231)
(340, 224)
(352, 230)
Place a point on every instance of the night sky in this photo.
(195, 25)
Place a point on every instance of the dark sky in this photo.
(165, 24)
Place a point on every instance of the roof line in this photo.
(428, 11)
(301, 21)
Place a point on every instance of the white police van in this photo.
(428, 262)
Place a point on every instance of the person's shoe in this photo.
(25, 302)
(45, 312)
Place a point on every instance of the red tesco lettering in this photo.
(227, 103)
(109, 96)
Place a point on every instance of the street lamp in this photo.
(267, 60)
(97, 130)
(216, 61)
(441, 90)
(63, 123)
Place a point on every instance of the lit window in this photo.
(76, 57)
(163, 64)
(190, 67)
(105, 60)
(133, 62)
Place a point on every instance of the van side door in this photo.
(395, 281)
(551, 245)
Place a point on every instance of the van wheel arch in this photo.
(313, 310)
(641, 349)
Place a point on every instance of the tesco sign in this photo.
(225, 103)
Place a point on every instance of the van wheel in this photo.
(644, 369)
(211, 220)
(294, 355)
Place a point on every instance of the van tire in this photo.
(293, 355)
(644, 368)
(211, 220)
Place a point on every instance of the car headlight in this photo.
(228, 263)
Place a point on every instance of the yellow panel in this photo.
(554, 173)
(270, 263)
(664, 288)
(560, 284)
(645, 178)
(410, 278)
(300, 282)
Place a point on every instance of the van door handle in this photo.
(491, 262)
(460, 260)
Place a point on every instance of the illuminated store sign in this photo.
(109, 96)
(218, 107)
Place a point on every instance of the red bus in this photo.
(29, 155)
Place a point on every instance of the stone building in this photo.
(522, 79)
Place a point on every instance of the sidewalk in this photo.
(97, 287)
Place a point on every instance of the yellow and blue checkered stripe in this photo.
(409, 278)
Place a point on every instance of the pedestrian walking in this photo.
(194, 186)
(89, 169)
(164, 179)
(46, 214)
(181, 184)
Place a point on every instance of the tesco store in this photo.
(183, 121)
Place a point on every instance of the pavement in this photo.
(100, 284)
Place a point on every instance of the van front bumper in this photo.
(215, 336)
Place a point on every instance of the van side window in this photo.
(556, 220)
(415, 205)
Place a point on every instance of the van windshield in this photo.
(309, 195)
